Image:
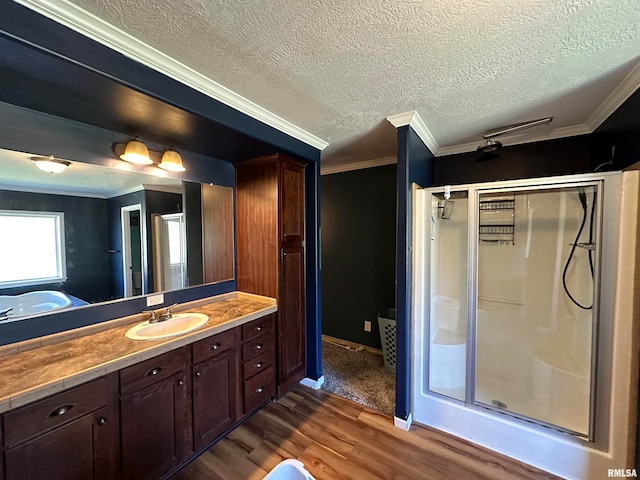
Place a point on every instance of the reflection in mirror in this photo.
(119, 234)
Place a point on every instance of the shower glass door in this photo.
(537, 259)
(448, 293)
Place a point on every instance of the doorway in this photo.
(133, 251)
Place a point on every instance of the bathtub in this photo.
(32, 303)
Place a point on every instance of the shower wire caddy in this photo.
(502, 230)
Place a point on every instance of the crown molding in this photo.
(348, 167)
(414, 120)
(102, 32)
(620, 94)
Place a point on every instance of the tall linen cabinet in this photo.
(270, 223)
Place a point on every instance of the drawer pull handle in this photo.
(102, 421)
(259, 390)
(216, 346)
(258, 328)
(259, 346)
(60, 411)
(153, 372)
(259, 364)
(198, 374)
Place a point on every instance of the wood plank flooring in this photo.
(337, 439)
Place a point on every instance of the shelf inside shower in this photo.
(497, 221)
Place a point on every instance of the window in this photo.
(31, 248)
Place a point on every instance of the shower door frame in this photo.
(474, 242)
(600, 379)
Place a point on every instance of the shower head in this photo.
(490, 146)
(447, 209)
(493, 145)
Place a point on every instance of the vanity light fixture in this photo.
(171, 161)
(50, 164)
(135, 151)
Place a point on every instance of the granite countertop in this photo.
(35, 369)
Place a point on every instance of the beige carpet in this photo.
(358, 376)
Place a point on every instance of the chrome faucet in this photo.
(163, 317)
(167, 314)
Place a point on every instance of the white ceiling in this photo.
(331, 72)
(80, 179)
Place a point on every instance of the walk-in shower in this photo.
(516, 323)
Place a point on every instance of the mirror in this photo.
(99, 234)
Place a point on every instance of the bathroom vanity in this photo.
(93, 404)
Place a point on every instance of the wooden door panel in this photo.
(79, 449)
(214, 398)
(291, 202)
(153, 424)
(291, 319)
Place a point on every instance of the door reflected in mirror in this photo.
(123, 233)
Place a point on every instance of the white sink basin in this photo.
(179, 324)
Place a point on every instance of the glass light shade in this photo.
(136, 152)
(50, 165)
(171, 161)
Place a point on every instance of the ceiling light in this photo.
(50, 164)
(136, 152)
(171, 161)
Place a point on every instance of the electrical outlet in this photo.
(155, 300)
(367, 326)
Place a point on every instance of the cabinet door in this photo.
(154, 429)
(81, 449)
(291, 320)
(291, 202)
(215, 382)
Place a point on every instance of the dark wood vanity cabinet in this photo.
(270, 225)
(215, 387)
(258, 363)
(147, 420)
(70, 435)
(154, 416)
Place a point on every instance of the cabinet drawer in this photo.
(214, 345)
(257, 327)
(151, 371)
(258, 389)
(258, 364)
(41, 416)
(257, 346)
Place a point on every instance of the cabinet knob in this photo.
(259, 390)
(153, 372)
(102, 421)
(198, 374)
(259, 364)
(258, 328)
(216, 346)
(259, 346)
(180, 383)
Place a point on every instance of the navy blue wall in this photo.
(358, 251)
(85, 230)
(415, 166)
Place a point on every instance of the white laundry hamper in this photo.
(289, 470)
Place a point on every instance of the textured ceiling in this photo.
(338, 69)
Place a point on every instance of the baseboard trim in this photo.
(354, 345)
(403, 424)
(315, 384)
